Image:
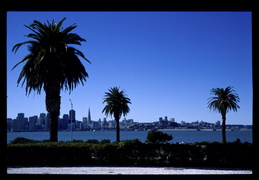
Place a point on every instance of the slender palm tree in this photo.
(52, 65)
(117, 104)
(223, 101)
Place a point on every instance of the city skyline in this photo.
(167, 62)
(89, 120)
(41, 123)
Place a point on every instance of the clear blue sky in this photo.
(167, 62)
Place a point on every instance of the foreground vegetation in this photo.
(25, 152)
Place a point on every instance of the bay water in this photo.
(178, 136)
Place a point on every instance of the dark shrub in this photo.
(22, 140)
(155, 137)
(45, 140)
(105, 141)
(77, 141)
(131, 153)
(105, 154)
(95, 141)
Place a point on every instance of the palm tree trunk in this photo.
(53, 131)
(53, 100)
(117, 130)
(224, 128)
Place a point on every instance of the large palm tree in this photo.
(52, 65)
(223, 101)
(117, 105)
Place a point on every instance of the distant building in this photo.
(9, 124)
(47, 122)
(20, 116)
(99, 122)
(217, 123)
(19, 122)
(17, 125)
(32, 122)
(82, 126)
(94, 125)
(104, 124)
(160, 119)
(183, 123)
(84, 119)
(65, 121)
(111, 124)
(172, 119)
(72, 116)
(89, 117)
(41, 119)
(73, 126)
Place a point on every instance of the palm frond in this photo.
(17, 46)
(60, 23)
(117, 103)
(223, 100)
(70, 28)
(24, 59)
(50, 57)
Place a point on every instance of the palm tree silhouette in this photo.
(223, 101)
(117, 104)
(52, 65)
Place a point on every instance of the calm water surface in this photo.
(178, 136)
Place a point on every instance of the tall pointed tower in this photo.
(89, 117)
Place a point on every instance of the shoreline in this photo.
(202, 130)
(183, 129)
(109, 170)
